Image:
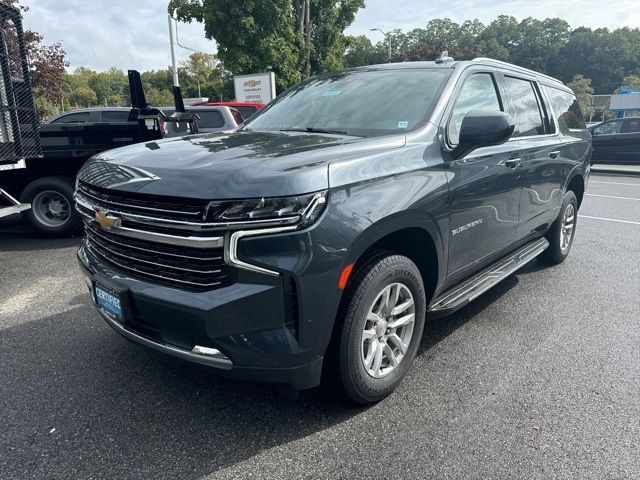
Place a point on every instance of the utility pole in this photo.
(387, 36)
(176, 83)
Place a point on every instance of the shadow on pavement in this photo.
(122, 411)
(17, 237)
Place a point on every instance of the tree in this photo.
(295, 38)
(47, 64)
(443, 34)
(584, 91)
(632, 82)
(360, 51)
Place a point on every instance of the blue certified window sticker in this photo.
(403, 124)
(332, 93)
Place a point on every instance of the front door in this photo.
(485, 191)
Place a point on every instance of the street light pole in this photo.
(176, 83)
(387, 36)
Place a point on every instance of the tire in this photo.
(559, 245)
(363, 378)
(52, 212)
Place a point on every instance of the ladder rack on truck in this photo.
(19, 136)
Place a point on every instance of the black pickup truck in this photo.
(47, 182)
(38, 163)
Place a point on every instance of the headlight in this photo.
(301, 210)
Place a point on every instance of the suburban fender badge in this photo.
(106, 221)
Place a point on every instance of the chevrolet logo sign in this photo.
(252, 83)
(106, 220)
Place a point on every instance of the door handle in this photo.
(554, 154)
(513, 163)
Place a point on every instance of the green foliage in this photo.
(632, 81)
(584, 91)
(294, 38)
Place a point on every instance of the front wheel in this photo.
(563, 230)
(382, 328)
(52, 211)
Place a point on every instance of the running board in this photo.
(470, 289)
(14, 207)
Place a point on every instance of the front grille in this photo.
(185, 267)
(169, 208)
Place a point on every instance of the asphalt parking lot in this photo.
(539, 378)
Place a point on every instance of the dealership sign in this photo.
(259, 87)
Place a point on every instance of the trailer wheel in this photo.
(52, 212)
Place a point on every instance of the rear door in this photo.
(484, 191)
(539, 169)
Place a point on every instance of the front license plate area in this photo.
(108, 301)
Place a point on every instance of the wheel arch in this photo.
(415, 235)
(576, 184)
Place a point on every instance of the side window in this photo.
(114, 116)
(212, 119)
(81, 117)
(527, 112)
(478, 93)
(608, 128)
(566, 108)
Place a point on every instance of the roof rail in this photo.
(514, 67)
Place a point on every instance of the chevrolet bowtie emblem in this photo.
(107, 221)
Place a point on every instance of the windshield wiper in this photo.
(317, 130)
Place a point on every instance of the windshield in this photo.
(369, 102)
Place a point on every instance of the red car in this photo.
(246, 109)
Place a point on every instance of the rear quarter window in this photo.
(565, 108)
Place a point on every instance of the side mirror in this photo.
(482, 128)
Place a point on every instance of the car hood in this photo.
(229, 165)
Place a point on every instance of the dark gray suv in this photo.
(322, 234)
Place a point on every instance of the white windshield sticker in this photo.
(403, 124)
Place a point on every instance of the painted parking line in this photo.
(609, 219)
(610, 196)
(616, 183)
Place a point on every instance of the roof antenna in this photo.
(444, 57)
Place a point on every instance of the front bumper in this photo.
(245, 330)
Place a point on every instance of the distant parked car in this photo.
(617, 141)
(246, 109)
(210, 119)
(95, 115)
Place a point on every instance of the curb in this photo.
(633, 170)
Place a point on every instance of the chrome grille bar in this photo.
(102, 245)
(161, 222)
(95, 232)
(88, 212)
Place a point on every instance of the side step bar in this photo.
(460, 295)
(14, 205)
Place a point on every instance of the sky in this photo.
(134, 33)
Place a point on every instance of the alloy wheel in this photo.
(388, 330)
(567, 227)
